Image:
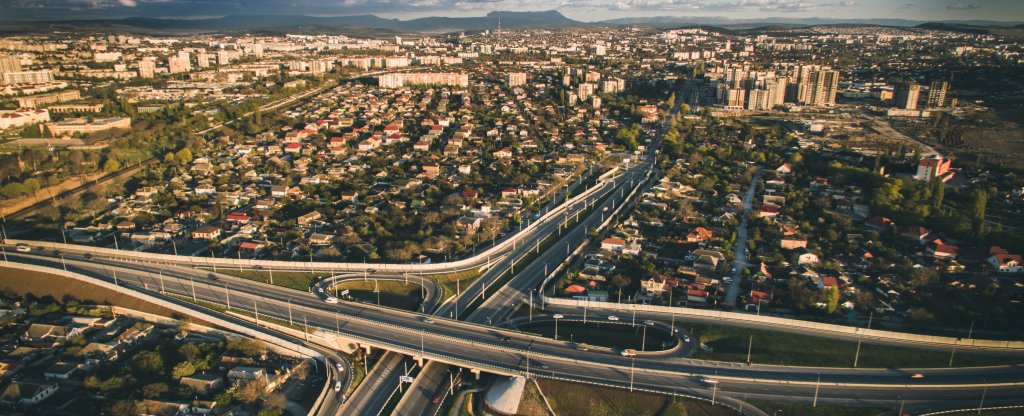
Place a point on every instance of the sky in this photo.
(583, 10)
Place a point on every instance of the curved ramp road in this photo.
(485, 348)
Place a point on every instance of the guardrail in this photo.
(468, 361)
(971, 409)
(279, 344)
(482, 259)
(776, 322)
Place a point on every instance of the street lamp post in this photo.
(750, 347)
(856, 356)
(632, 365)
(981, 404)
(227, 296)
(531, 304)
(193, 281)
(643, 341)
(556, 327)
(290, 311)
(816, 385)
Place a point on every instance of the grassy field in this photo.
(602, 334)
(40, 285)
(730, 344)
(392, 294)
(804, 409)
(572, 399)
(532, 404)
(293, 280)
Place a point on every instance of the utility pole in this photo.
(190, 278)
(227, 296)
(256, 312)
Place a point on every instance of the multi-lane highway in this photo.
(503, 351)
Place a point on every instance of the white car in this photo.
(341, 369)
(331, 299)
(558, 316)
(337, 386)
(23, 248)
(613, 318)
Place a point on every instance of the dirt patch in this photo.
(29, 284)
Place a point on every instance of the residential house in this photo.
(1006, 263)
(699, 235)
(613, 244)
(940, 249)
(206, 232)
(26, 393)
(203, 383)
(468, 225)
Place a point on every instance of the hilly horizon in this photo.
(436, 24)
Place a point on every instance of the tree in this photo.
(247, 346)
(923, 277)
(149, 361)
(190, 351)
(13, 190)
(250, 392)
(978, 212)
(183, 369)
(111, 165)
(938, 193)
(620, 281)
(32, 184)
(832, 299)
(184, 156)
(155, 390)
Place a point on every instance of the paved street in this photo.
(740, 247)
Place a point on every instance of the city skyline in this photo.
(581, 10)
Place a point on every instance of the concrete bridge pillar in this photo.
(368, 349)
(420, 361)
(476, 373)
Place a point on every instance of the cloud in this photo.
(961, 6)
(127, 3)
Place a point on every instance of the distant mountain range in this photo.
(510, 20)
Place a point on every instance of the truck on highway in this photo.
(628, 352)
